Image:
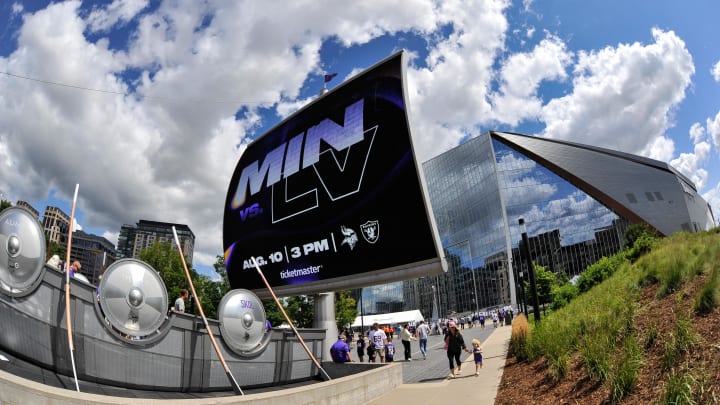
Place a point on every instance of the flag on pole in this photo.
(330, 77)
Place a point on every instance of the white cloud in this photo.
(610, 105)
(690, 164)
(713, 198)
(660, 148)
(449, 97)
(118, 12)
(520, 76)
(713, 129)
(716, 71)
(697, 132)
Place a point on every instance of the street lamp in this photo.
(362, 315)
(435, 315)
(519, 290)
(531, 270)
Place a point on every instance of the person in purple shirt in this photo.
(340, 352)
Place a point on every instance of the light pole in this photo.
(531, 270)
(362, 315)
(435, 315)
(519, 290)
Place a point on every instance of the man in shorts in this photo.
(378, 340)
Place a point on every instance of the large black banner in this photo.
(331, 198)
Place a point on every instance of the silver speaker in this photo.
(22, 252)
(133, 297)
(242, 322)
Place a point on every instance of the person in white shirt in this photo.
(378, 339)
(180, 302)
(421, 333)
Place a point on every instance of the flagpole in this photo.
(282, 309)
(228, 373)
(68, 322)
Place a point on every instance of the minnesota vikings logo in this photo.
(370, 231)
(350, 237)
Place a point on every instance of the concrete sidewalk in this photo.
(466, 388)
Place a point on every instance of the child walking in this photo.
(477, 355)
(389, 351)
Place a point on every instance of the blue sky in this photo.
(149, 104)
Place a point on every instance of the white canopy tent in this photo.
(395, 318)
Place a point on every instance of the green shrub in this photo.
(707, 299)
(558, 366)
(678, 344)
(635, 231)
(562, 295)
(596, 353)
(642, 246)
(679, 389)
(651, 337)
(624, 373)
(671, 278)
(599, 271)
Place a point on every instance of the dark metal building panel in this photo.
(611, 177)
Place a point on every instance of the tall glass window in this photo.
(567, 229)
(465, 198)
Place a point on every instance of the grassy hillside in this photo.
(650, 333)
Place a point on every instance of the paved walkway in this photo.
(466, 388)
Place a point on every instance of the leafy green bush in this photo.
(599, 271)
(562, 295)
(635, 231)
(642, 246)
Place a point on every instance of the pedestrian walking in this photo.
(361, 345)
(377, 339)
(455, 345)
(406, 337)
(421, 333)
(477, 356)
(389, 351)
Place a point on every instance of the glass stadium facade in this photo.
(576, 201)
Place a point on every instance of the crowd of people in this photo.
(377, 342)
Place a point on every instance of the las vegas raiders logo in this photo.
(370, 231)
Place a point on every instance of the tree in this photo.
(635, 231)
(54, 248)
(272, 312)
(5, 204)
(221, 271)
(301, 310)
(166, 261)
(544, 280)
(345, 309)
